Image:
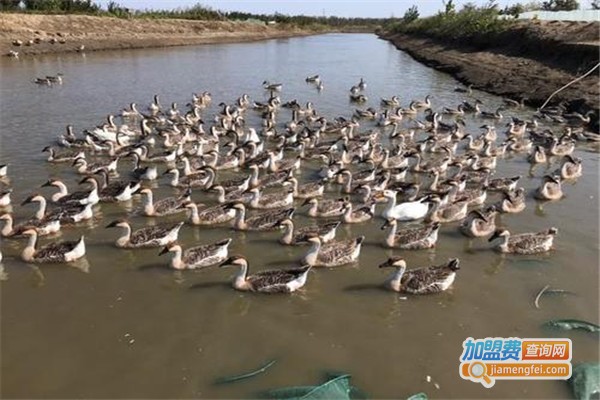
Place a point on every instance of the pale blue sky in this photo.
(341, 8)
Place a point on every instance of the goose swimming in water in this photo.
(425, 280)
(63, 157)
(512, 202)
(479, 223)
(218, 214)
(166, 206)
(61, 252)
(271, 281)
(199, 256)
(326, 208)
(524, 243)
(80, 197)
(264, 221)
(67, 214)
(149, 236)
(5, 197)
(408, 211)
(334, 253)
(422, 237)
(550, 189)
(43, 226)
(297, 236)
(571, 168)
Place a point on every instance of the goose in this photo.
(408, 211)
(570, 169)
(230, 185)
(264, 221)
(423, 104)
(148, 173)
(512, 201)
(393, 102)
(43, 226)
(209, 216)
(198, 256)
(459, 110)
(272, 87)
(411, 110)
(61, 252)
(5, 198)
(358, 98)
(514, 103)
(154, 107)
(550, 189)
(67, 156)
(67, 214)
(357, 215)
(503, 184)
(296, 236)
(362, 84)
(313, 79)
(116, 191)
(417, 238)
(131, 112)
(524, 243)
(236, 196)
(492, 115)
(518, 146)
(149, 236)
(564, 148)
(451, 212)
(334, 253)
(80, 197)
(538, 156)
(166, 206)
(197, 180)
(325, 208)
(270, 281)
(468, 90)
(271, 200)
(84, 168)
(307, 190)
(426, 280)
(478, 223)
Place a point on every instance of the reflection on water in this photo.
(130, 327)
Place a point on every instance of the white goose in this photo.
(408, 211)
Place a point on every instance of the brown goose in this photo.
(425, 280)
(272, 281)
(62, 252)
(524, 243)
(422, 237)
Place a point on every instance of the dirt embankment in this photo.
(65, 33)
(530, 61)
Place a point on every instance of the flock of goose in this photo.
(423, 164)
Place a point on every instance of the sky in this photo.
(340, 8)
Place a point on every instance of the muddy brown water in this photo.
(131, 328)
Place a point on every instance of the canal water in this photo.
(122, 325)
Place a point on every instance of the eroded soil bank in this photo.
(531, 61)
(67, 33)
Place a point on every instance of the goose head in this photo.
(119, 223)
(235, 260)
(36, 197)
(500, 233)
(173, 246)
(393, 262)
(389, 222)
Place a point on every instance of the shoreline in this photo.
(514, 70)
(49, 34)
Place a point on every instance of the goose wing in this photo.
(410, 235)
(55, 251)
(208, 254)
(168, 205)
(218, 213)
(302, 234)
(425, 280)
(274, 281)
(526, 242)
(151, 233)
(338, 249)
(269, 219)
(65, 213)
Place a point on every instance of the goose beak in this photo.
(493, 237)
(164, 250)
(112, 224)
(27, 200)
(46, 184)
(385, 264)
(226, 262)
(385, 225)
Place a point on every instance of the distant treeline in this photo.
(197, 12)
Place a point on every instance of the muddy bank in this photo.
(529, 62)
(41, 34)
